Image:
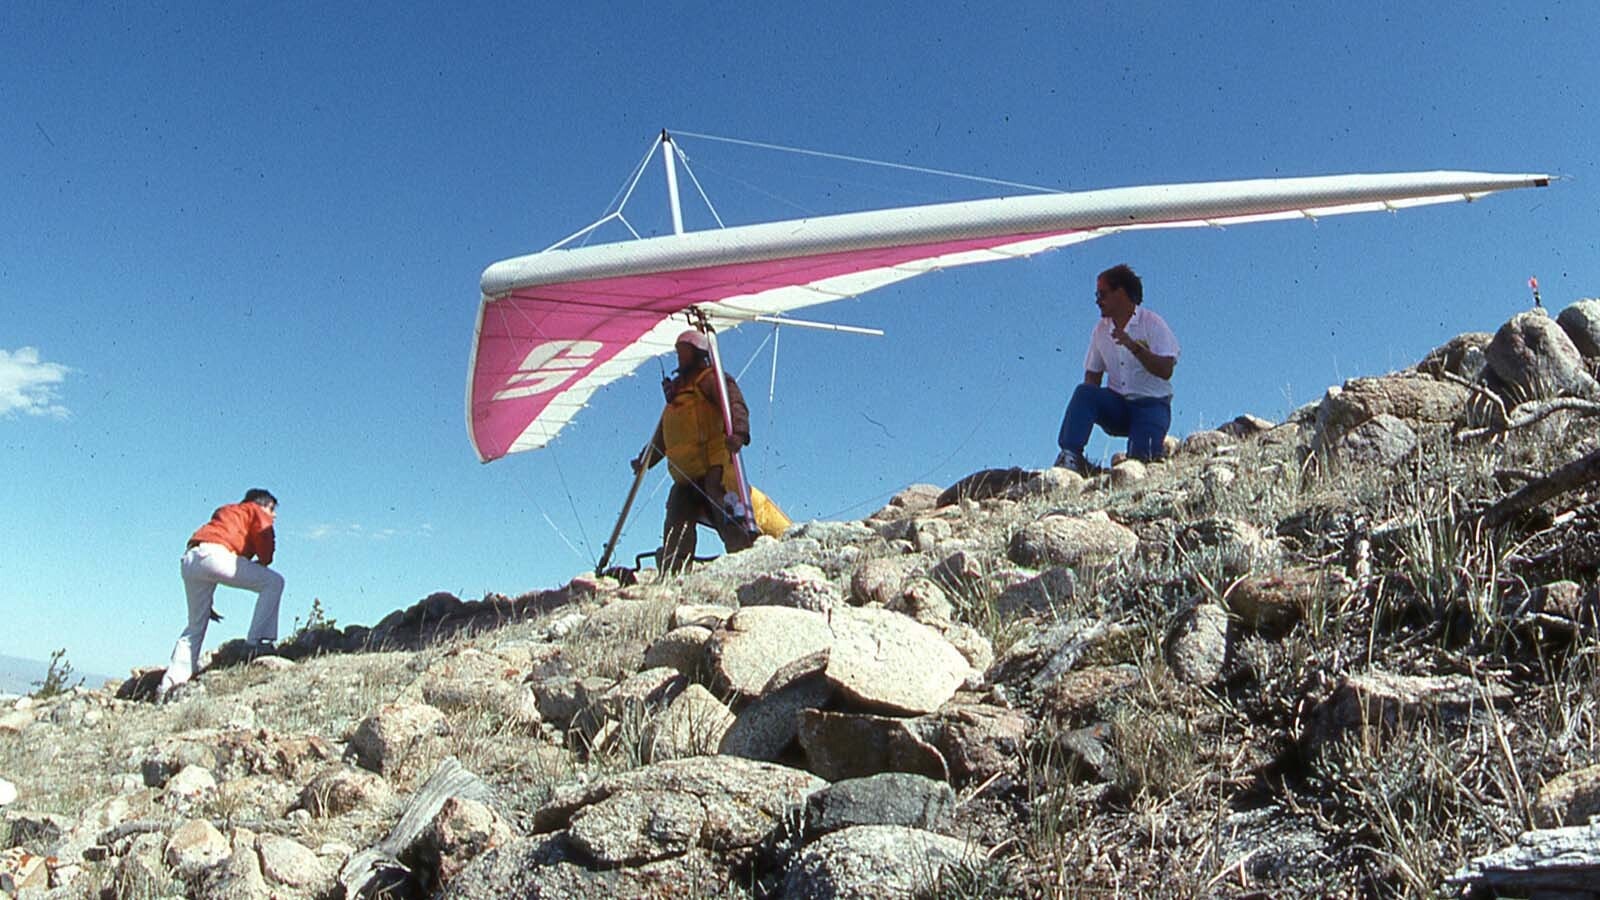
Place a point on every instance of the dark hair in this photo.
(1122, 276)
(260, 497)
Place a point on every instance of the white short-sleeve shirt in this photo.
(1124, 373)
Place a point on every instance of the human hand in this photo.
(735, 443)
(637, 464)
(711, 483)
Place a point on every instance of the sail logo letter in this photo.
(547, 367)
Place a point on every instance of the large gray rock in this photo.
(549, 867)
(757, 641)
(1378, 702)
(1271, 603)
(1381, 441)
(641, 693)
(766, 555)
(883, 660)
(1208, 442)
(985, 484)
(1581, 322)
(1571, 798)
(511, 703)
(977, 741)
(892, 798)
(195, 846)
(1462, 355)
(238, 877)
(289, 864)
(639, 826)
(682, 648)
(973, 647)
(923, 600)
(1049, 590)
(707, 616)
(769, 724)
(855, 745)
(879, 579)
(717, 803)
(1071, 540)
(1531, 358)
(1246, 425)
(831, 534)
(693, 724)
(914, 499)
(460, 831)
(341, 790)
(802, 586)
(1411, 396)
(1238, 545)
(873, 861)
(400, 741)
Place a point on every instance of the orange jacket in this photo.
(244, 528)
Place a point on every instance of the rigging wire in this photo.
(684, 158)
(871, 162)
(572, 504)
(915, 478)
(633, 183)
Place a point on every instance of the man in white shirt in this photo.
(1133, 350)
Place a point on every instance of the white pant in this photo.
(204, 567)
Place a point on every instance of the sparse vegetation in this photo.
(317, 619)
(1248, 784)
(57, 677)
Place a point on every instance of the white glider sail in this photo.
(554, 327)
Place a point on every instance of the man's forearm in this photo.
(1154, 363)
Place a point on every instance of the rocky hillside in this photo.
(1352, 654)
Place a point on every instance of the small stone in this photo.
(192, 783)
(195, 846)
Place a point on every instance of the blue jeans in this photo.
(1142, 420)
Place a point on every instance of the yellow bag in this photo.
(769, 518)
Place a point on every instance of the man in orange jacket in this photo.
(226, 551)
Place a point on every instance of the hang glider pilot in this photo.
(234, 549)
(1134, 351)
(699, 451)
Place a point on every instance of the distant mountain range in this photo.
(18, 675)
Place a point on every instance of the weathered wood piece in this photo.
(378, 866)
(1550, 863)
(1581, 471)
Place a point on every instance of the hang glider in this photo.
(556, 326)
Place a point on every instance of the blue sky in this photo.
(241, 246)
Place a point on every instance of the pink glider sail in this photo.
(556, 326)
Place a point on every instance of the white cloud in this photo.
(327, 531)
(28, 385)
